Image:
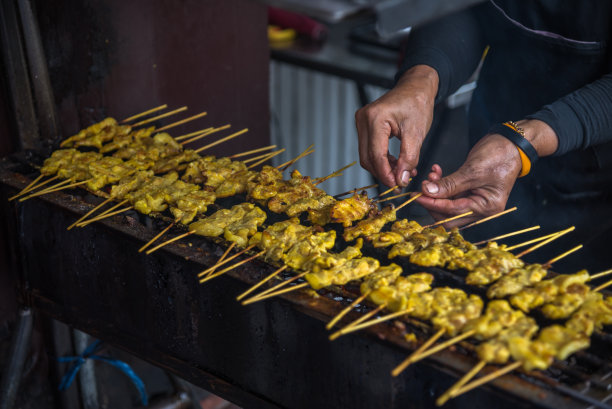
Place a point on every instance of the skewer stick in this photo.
(550, 262)
(56, 189)
(452, 391)
(159, 246)
(334, 174)
(155, 118)
(486, 219)
(407, 202)
(43, 191)
(601, 287)
(274, 288)
(157, 236)
(107, 215)
(225, 253)
(528, 242)
(394, 197)
(230, 268)
(269, 156)
(140, 115)
(339, 195)
(602, 274)
(345, 311)
(191, 134)
(89, 212)
(33, 187)
(437, 348)
(537, 246)
(265, 148)
(439, 222)
(503, 236)
(356, 325)
(227, 260)
(400, 368)
(488, 378)
(181, 122)
(27, 188)
(279, 292)
(364, 317)
(227, 138)
(259, 284)
(386, 192)
(306, 152)
(104, 213)
(254, 158)
(206, 133)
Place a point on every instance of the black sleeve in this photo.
(452, 45)
(582, 118)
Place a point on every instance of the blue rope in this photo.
(89, 353)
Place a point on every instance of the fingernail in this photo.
(405, 177)
(431, 187)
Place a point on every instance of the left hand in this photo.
(482, 184)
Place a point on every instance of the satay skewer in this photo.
(227, 260)
(227, 138)
(157, 236)
(386, 192)
(400, 368)
(164, 115)
(252, 151)
(528, 242)
(101, 215)
(274, 294)
(274, 288)
(599, 275)
(453, 390)
(259, 284)
(62, 183)
(230, 268)
(359, 324)
(346, 310)
(407, 202)
(165, 243)
(553, 260)
(306, 152)
(333, 174)
(82, 218)
(488, 378)
(486, 219)
(439, 222)
(265, 155)
(206, 133)
(106, 216)
(27, 188)
(34, 187)
(56, 189)
(192, 134)
(267, 158)
(339, 195)
(144, 113)
(181, 122)
(503, 236)
(602, 286)
(543, 243)
(223, 256)
(393, 197)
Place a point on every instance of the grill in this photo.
(270, 354)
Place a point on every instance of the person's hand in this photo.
(483, 183)
(405, 112)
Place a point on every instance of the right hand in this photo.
(405, 112)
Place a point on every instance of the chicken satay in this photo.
(343, 272)
(351, 209)
(106, 171)
(237, 224)
(235, 184)
(57, 160)
(125, 139)
(370, 225)
(193, 203)
(175, 162)
(130, 183)
(96, 134)
(278, 238)
(78, 167)
(151, 197)
(516, 280)
(418, 241)
(308, 248)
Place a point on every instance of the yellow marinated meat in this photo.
(320, 214)
(516, 280)
(498, 263)
(341, 274)
(175, 162)
(386, 275)
(297, 193)
(351, 209)
(594, 313)
(309, 204)
(310, 247)
(418, 241)
(107, 170)
(406, 228)
(241, 230)
(160, 146)
(280, 237)
(563, 305)
(215, 224)
(151, 197)
(475, 256)
(106, 126)
(371, 225)
(498, 315)
(130, 183)
(328, 260)
(385, 239)
(497, 349)
(545, 291)
(437, 254)
(192, 204)
(402, 249)
(563, 341)
(78, 168)
(123, 140)
(58, 159)
(235, 184)
(452, 309)
(410, 292)
(265, 185)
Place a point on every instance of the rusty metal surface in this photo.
(270, 354)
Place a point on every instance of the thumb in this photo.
(449, 186)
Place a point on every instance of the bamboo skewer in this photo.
(43, 191)
(599, 275)
(386, 192)
(357, 325)
(345, 311)
(89, 213)
(453, 390)
(27, 188)
(159, 246)
(255, 158)
(339, 195)
(407, 202)
(104, 213)
(503, 236)
(157, 236)
(140, 115)
(267, 158)
(223, 256)
(259, 284)
(241, 154)
(528, 242)
(439, 222)
(230, 268)
(486, 219)
(537, 246)
(279, 292)
(56, 189)
(306, 152)
(106, 216)
(227, 260)
(603, 286)
(192, 134)
(333, 174)
(400, 368)
(206, 133)
(227, 138)
(34, 187)
(488, 378)
(164, 115)
(363, 318)
(181, 122)
(394, 197)
(274, 288)
(550, 262)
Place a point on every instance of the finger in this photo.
(437, 169)
(433, 177)
(378, 149)
(362, 138)
(449, 186)
(408, 158)
(446, 207)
